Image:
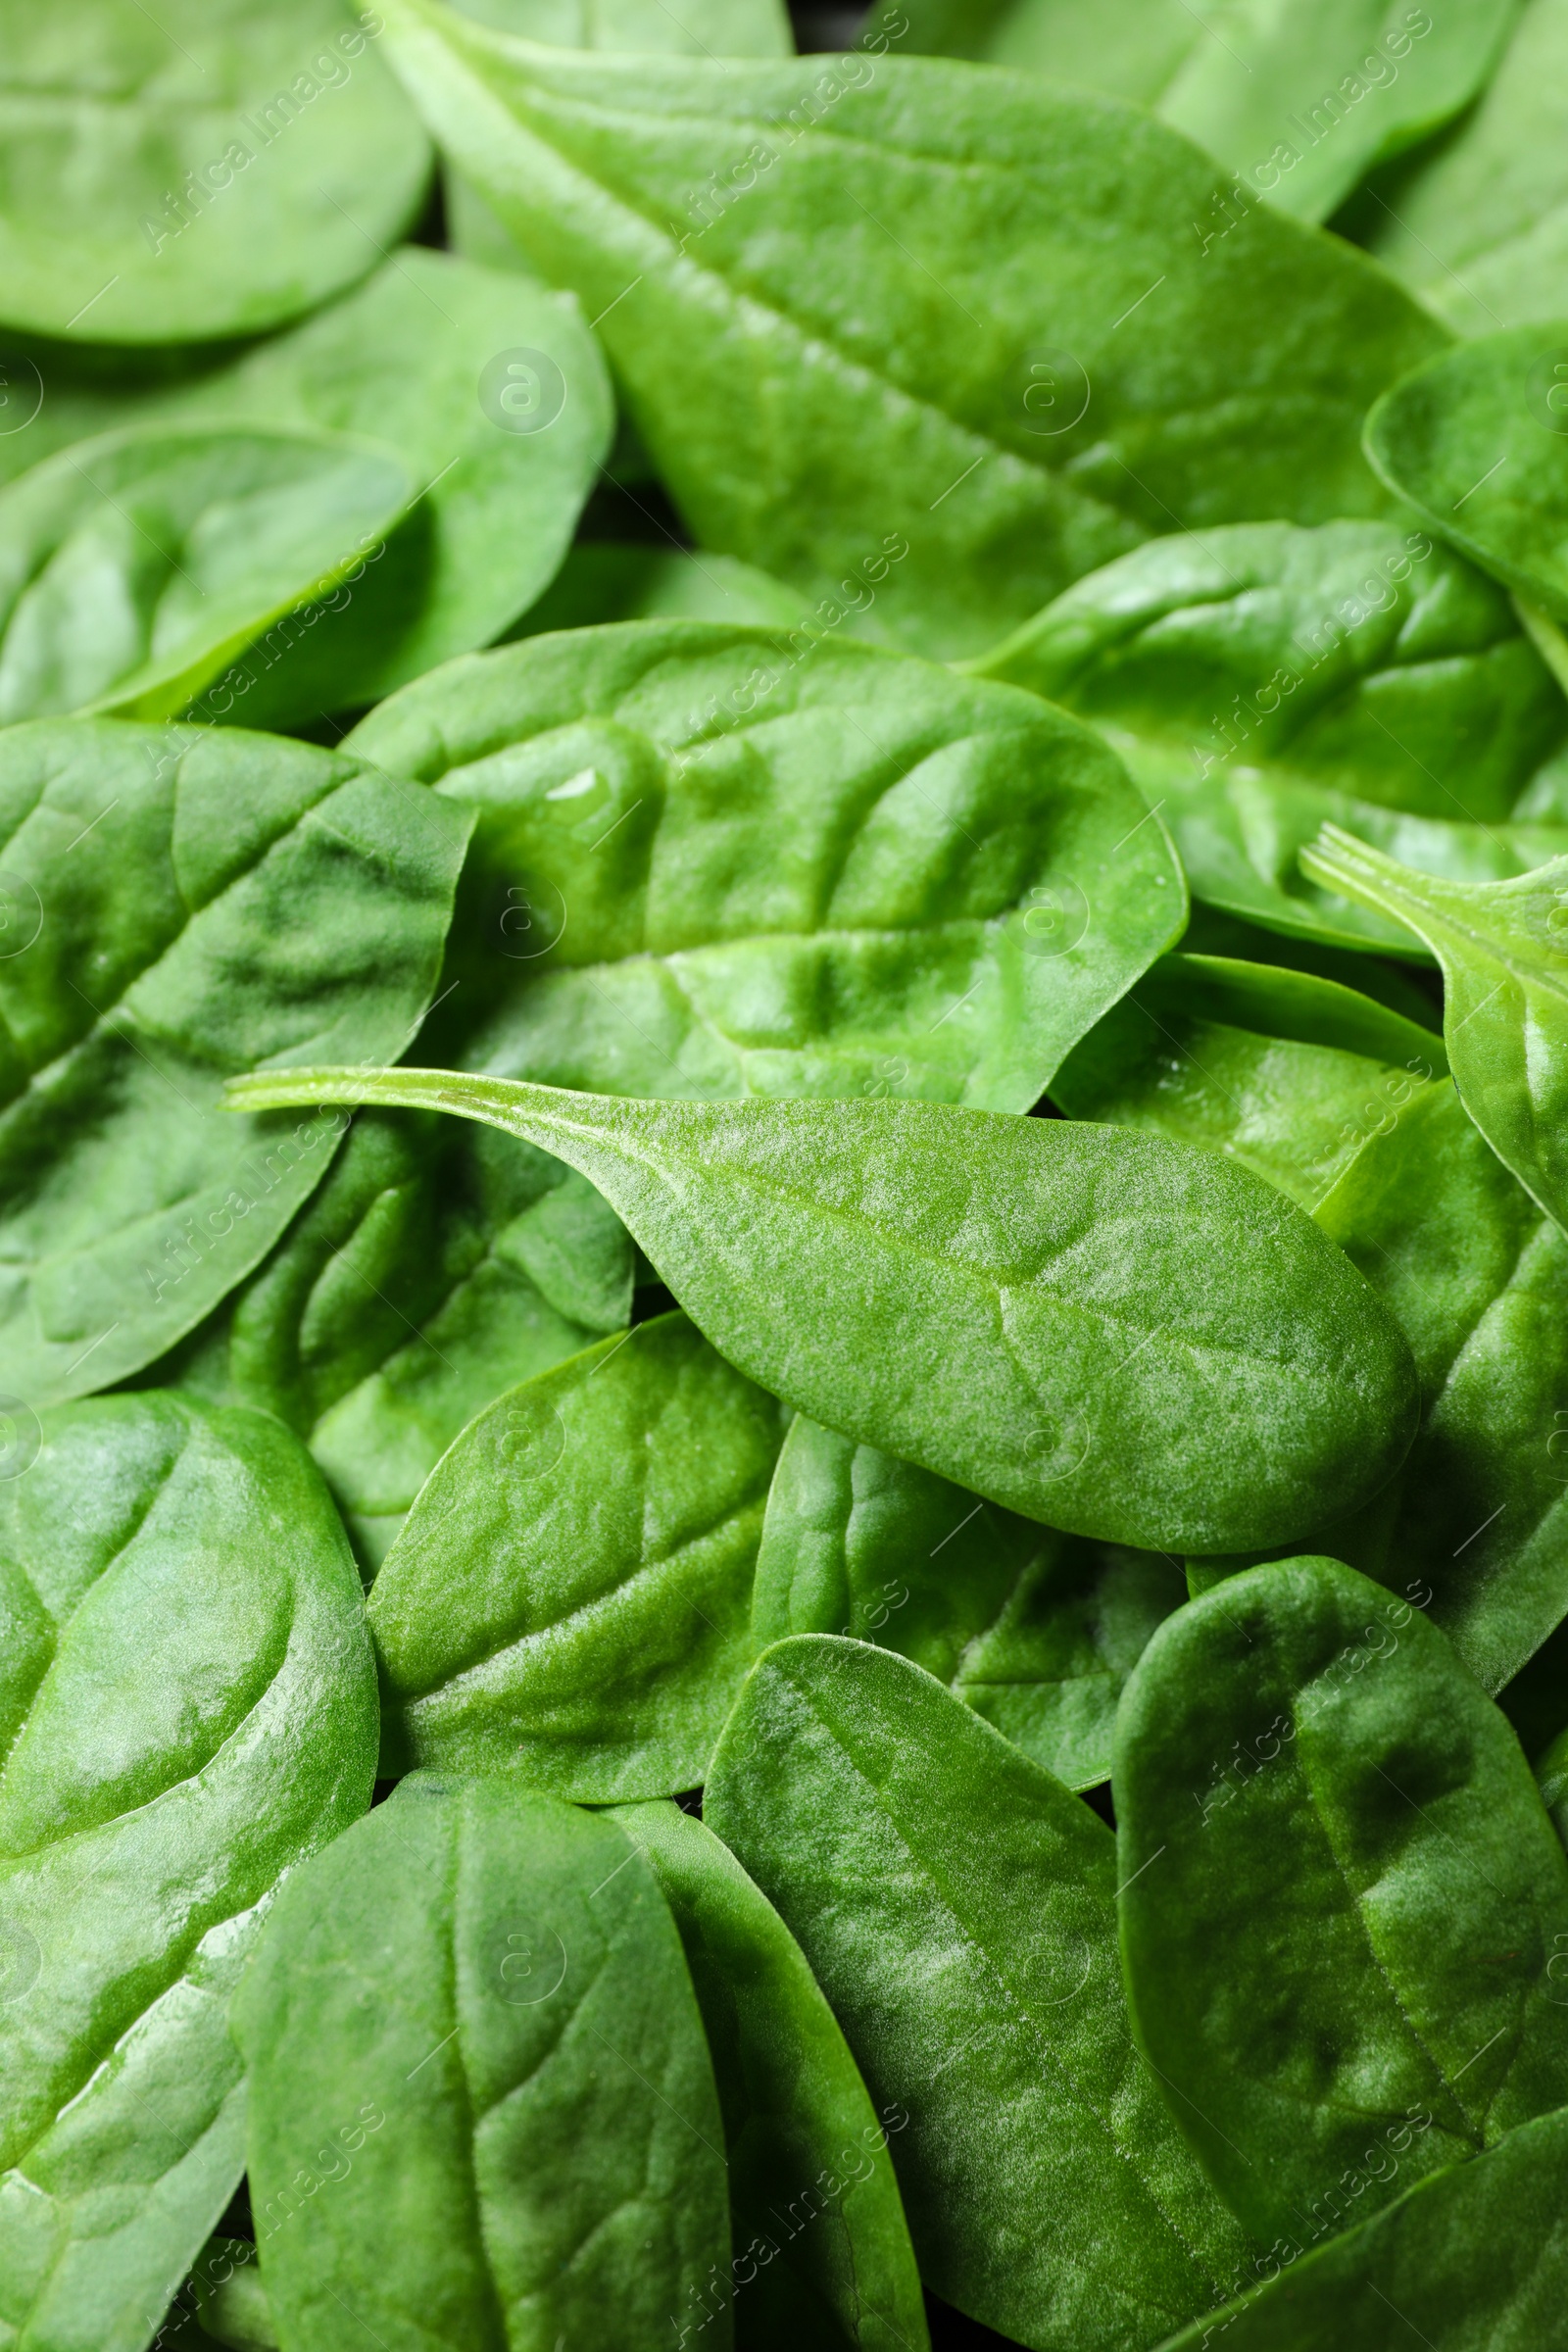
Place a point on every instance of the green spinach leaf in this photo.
(1036, 1631)
(179, 902)
(975, 1977)
(879, 305)
(972, 1291)
(145, 1819)
(569, 1598)
(201, 172)
(223, 2301)
(435, 1266)
(822, 2253)
(1341, 1895)
(481, 2109)
(715, 861)
(134, 566)
(605, 580)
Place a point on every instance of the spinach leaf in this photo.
(482, 2110)
(145, 1819)
(672, 28)
(833, 351)
(223, 2301)
(1478, 443)
(435, 1266)
(1036, 1631)
(1212, 932)
(714, 861)
(1299, 100)
(971, 1292)
(1262, 680)
(1478, 224)
(1474, 2253)
(1504, 949)
(569, 1597)
(203, 172)
(602, 580)
(975, 1977)
(184, 902)
(822, 2253)
(1340, 1897)
(134, 566)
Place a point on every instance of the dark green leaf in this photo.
(971, 1292)
(821, 2249)
(181, 903)
(482, 2110)
(974, 1974)
(1036, 1631)
(189, 1707)
(570, 1596)
(717, 861)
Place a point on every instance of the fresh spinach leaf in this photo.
(223, 2301)
(883, 307)
(822, 2253)
(201, 172)
(714, 861)
(434, 1267)
(1340, 1897)
(145, 1820)
(1260, 681)
(569, 1598)
(1212, 932)
(481, 2109)
(134, 566)
(1471, 2258)
(971, 1292)
(1503, 950)
(184, 902)
(1130, 51)
(1036, 1631)
(975, 1977)
(602, 580)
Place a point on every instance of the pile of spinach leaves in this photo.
(783, 1176)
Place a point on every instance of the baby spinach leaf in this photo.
(199, 173)
(482, 2110)
(1478, 223)
(178, 903)
(1129, 52)
(1476, 441)
(714, 861)
(971, 1293)
(1472, 2258)
(1340, 1897)
(1262, 680)
(569, 1597)
(145, 1819)
(672, 28)
(822, 2253)
(975, 1977)
(435, 1266)
(602, 580)
(1036, 1631)
(223, 2301)
(1212, 932)
(1504, 949)
(881, 307)
(134, 566)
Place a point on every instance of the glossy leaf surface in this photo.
(145, 1817)
(821, 2248)
(833, 352)
(975, 1976)
(1341, 1895)
(178, 903)
(714, 861)
(516, 2132)
(970, 1292)
(1036, 1631)
(569, 1597)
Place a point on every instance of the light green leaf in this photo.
(145, 1819)
(223, 2301)
(482, 2110)
(971, 1292)
(714, 861)
(569, 1598)
(975, 1977)
(1036, 1631)
(821, 2248)
(604, 580)
(883, 308)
